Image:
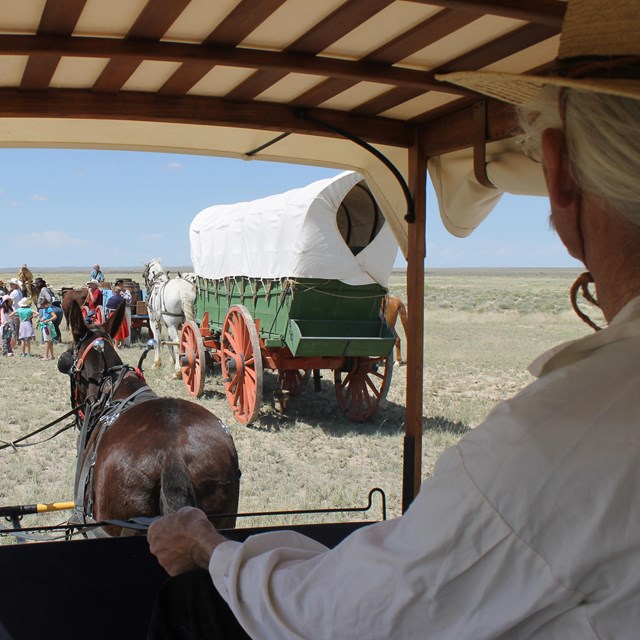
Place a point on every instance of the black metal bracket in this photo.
(410, 216)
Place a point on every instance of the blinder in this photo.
(65, 362)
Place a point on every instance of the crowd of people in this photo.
(31, 310)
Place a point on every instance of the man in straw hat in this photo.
(530, 526)
(25, 275)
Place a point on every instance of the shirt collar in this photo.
(626, 324)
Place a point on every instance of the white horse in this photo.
(169, 303)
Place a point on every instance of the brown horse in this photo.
(139, 454)
(69, 296)
(392, 307)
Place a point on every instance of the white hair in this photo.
(603, 141)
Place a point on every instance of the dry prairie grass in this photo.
(312, 457)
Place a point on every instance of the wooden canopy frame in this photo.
(286, 76)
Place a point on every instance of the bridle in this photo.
(101, 410)
(107, 384)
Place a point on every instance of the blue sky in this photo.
(71, 208)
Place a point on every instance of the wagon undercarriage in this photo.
(291, 327)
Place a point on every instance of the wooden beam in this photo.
(58, 18)
(132, 52)
(336, 25)
(486, 54)
(549, 12)
(129, 105)
(244, 18)
(428, 32)
(505, 45)
(454, 130)
(156, 17)
(415, 333)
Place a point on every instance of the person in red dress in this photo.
(112, 305)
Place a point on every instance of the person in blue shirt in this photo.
(96, 274)
(47, 326)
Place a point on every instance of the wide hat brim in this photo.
(598, 53)
(520, 89)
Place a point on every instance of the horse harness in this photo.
(101, 411)
(155, 288)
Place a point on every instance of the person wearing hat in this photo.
(15, 290)
(25, 276)
(530, 526)
(94, 295)
(96, 274)
(48, 299)
(26, 332)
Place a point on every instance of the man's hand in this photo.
(183, 541)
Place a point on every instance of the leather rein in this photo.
(101, 411)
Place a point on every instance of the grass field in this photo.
(482, 330)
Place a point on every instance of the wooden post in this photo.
(415, 337)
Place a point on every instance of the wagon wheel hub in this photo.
(235, 364)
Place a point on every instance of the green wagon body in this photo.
(312, 317)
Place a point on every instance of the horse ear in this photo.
(112, 325)
(76, 321)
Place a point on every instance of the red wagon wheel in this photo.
(363, 387)
(192, 358)
(241, 362)
(293, 380)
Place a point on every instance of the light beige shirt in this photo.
(528, 528)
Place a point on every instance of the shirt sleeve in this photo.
(450, 569)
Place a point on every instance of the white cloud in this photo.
(39, 197)
(174, 166)
(52, 240)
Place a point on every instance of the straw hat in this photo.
(24, 302)
(93, 282)
(599, 52)
(15, 281)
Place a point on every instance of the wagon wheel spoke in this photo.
(294, 380)
(361, 389)
(192, 358)
(241, 361)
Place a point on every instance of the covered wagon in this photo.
(293, 283)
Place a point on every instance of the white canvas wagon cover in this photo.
(330, 229)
